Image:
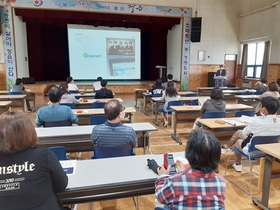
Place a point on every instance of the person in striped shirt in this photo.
(113, 132)
(197, 186)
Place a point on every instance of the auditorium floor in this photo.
(161, 142)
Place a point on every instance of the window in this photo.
(255, 59)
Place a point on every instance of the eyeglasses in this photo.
(122, 109)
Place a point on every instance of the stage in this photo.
(115, 86)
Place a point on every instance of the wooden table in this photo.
(248, 98)
(77, 138)
(90, 101)
(196, 109)
(89, 112)
(83, 95)
(207, 90)
(15, 97)
(272, 151)
(148, 98)
(158, 100)
(5, 104)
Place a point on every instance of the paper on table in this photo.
(233, 122)
(246, 119)
(69, 166)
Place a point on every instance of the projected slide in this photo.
(112, 53)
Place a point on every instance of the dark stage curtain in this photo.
(48, 42)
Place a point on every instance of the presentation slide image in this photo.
(122, 67)
(117, 46)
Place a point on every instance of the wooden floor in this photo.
(161, 142)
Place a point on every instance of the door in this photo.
(230, 66)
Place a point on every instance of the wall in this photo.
(21, 48)
(262, 25)
(174, 51)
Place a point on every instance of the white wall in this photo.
(174, 49)
(21, 52)
(261, 25)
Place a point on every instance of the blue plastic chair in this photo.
(259, 92)
(214, 114)
(253, 154)
(15, 93)
(109, 152)
(58, 123)
(71, 105)
(249, 113)
(168, 110)
(60, 152)
(191, 95)
(73, 91)
(97, 104)
(160, 208)
(97, 119)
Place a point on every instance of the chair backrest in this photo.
(71, 105)
(60, 152)
(15, 93)
(259, 92)
(157, 95)
(191, 95)
(108, 152)
(98, 104)
(160, 208)
(214, 114)
(255, 140)
(245, 112)
(97, 119)
(58, 123)
(248, 93)
(174, 103)
(73, 91)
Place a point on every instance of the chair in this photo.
(156, 95)
(71, 105)
(60, 152)
(73, 91)
(214, 114)
(259, 92)
(172, 103)
(98, 104)
(109, 152)
(245, 112)
(160, 208)
(15, 93)
(191, 95)
(58, 123)
(97, 119)
(253, 154)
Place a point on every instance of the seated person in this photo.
(170, 94)
(169, 79)
(54, 111)
(71, 84)
(158, 88)
(66, 97)
(104, 92)
(164, 81)
(97, 84)
(198, 186)
(18, 87)
(261, 85)
(113, 132)
(272, 91)
(216, 103)
(265, 125)
(34, 173)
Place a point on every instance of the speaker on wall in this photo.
(196, 29)
(28, 80)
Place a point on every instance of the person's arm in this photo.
(133, 139)
(38, 121)
(164, 189)
(72, 116)
(111, 94)
(94, 136)
(204, 107)
(58, 176)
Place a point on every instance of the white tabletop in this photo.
(108, 171)
(84, 130)
(5, 103)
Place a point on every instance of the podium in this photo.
(160, 70)
(220, 81)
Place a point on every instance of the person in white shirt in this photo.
(266, 125)
(71, 85)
